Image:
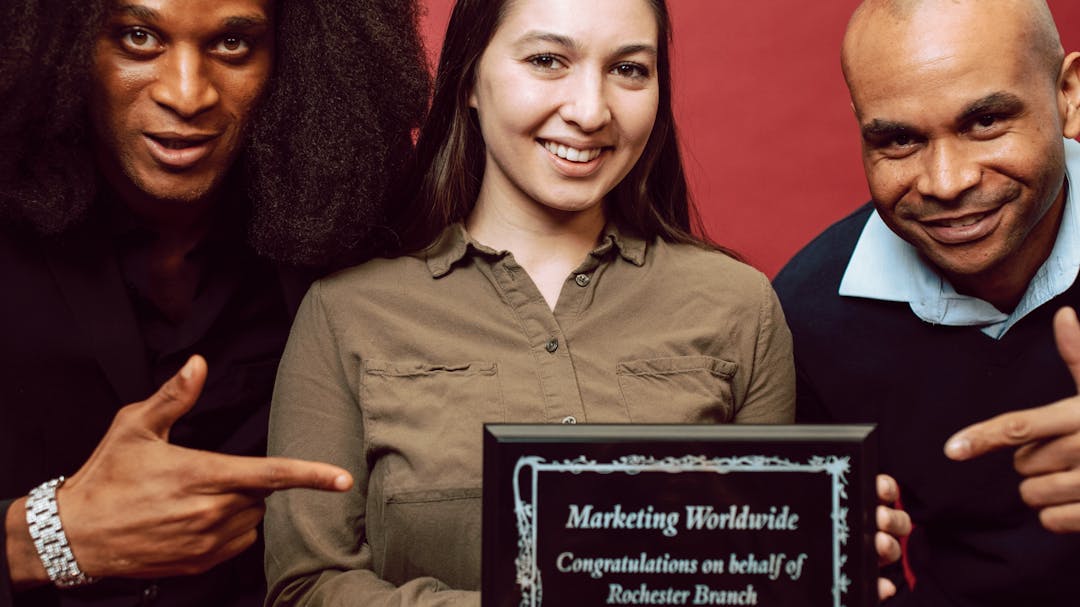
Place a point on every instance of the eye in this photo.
(894, 143)
(987, 125)
(901, 140)
(634, 71)
(901, 146)
(232, 46)
(546, 62)
(140, 41)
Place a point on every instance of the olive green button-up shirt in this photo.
(393, 366)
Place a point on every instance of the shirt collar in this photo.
(630, 248)
(912, 280)
(455, 243)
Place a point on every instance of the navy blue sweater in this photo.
(860, 360)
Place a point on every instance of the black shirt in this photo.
(975, 543)
(65, 368)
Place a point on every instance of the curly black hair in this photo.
(350, 84)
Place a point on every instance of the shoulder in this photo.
(14, 237)
(374, 281)
(22, 249)
(709, 283)
(376, 272)
(707, 266)
(819, 266)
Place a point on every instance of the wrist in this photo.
(50, 541)
(24, 566)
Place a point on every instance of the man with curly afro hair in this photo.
(173, 174)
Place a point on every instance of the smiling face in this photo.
(566, 93)
(174, 87)
(962, 121)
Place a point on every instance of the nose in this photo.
(183, 85)
(949, 170)
(585, 102)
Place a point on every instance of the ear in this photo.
(473, 101)
(1069, 95)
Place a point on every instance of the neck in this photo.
(174, 220)
(162, 268)
(547, 243)
(179, 224)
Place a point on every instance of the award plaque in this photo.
(582, 515)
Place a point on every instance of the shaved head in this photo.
(884, 21)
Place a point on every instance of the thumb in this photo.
(175, 397)
(1067, 336)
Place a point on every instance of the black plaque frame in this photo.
(517, 456)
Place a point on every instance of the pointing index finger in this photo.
(1020, 427)
(268, 474)
(1015, 428)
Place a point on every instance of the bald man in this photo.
(932, 309)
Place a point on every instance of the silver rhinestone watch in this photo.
(49, 538)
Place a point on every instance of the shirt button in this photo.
(552, 345)
(569, 419)
(582, 280)
(149, 594)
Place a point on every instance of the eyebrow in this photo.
(631, 49)
(139, 12)
(1002, 103)
(235, 22)
(994, 103)
(879, 130)
(541, 36)
(246, 21)
(570, 43)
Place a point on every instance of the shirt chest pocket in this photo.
(677, 389)
(424, 421)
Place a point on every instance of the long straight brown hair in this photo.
(651, 201)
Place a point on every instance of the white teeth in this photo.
(571, 154)
(962, 222)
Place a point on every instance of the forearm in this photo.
(23, 563)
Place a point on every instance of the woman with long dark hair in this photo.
(551, 274)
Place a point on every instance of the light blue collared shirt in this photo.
(884, 266)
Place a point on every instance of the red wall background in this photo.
(770, 144)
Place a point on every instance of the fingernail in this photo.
(187, 371)
(958, 448)
(342, 482)
(884, 486)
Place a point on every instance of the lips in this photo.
(571, 153)
(961, 229)
(573, 161)
(179, 151)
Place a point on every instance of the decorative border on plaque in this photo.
(528, 575)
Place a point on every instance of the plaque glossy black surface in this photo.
(679, 515)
